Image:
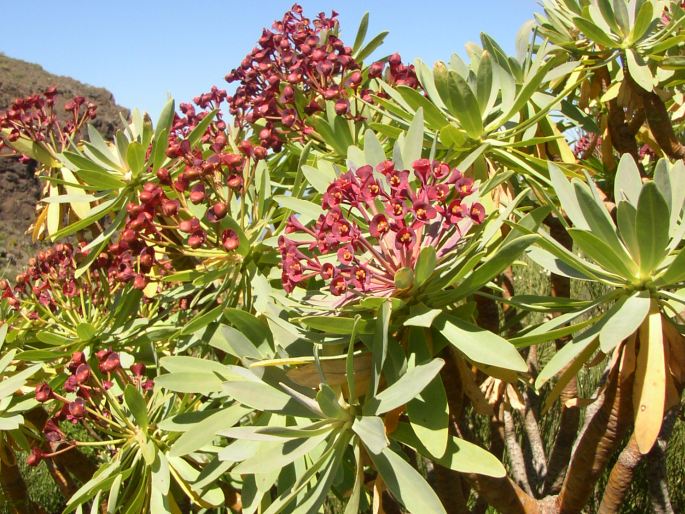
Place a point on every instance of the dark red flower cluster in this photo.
(586, 144)
(163, 215)
(50, 281)
(376, 224)
(396, 73)
(189, 117)
(35, 118)
(288, 76)
(82, 395)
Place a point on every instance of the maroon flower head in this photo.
(372, 229)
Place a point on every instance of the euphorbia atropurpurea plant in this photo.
(320, 306)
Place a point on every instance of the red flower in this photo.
(366, 235)
(230, 240)
(43, 392)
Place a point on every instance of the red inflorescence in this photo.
(35, 118)
(373, 227)
(287, 77)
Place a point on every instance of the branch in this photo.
(620, 478)
(518, 463)
(560, 454)
(505, 496)
(604, 429)
(536, 460)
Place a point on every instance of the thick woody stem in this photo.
(504, 495)
(518, 463)
(448, 483)
(620, 478)
(560, 454)
(604, 429)
(536, 460)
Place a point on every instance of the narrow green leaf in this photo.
(623, 319)
(371, 430)
(406, 484)
(136, 404)
(361, 32)
(480, 345)
(651, 228)
(460, 455)
(407, 387)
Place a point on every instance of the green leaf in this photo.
(600, 223)
(480, 345)
(465, 105)
(623, 319)
(425, 265)
(233, 342)
(319, 178)
(274, 456)
(460, 455)
(594, 33)
(639, 71)
(429, 411)
(328, 402)
(166, 117)
(413, 142)
(370, 47)
(626, 220)
(651, 228)
(189, 364)
(136, 404)
(10, 385)
(421, 316)
(338, 325)
(361, 32)
(251, 327)
(190, 382)
(380, 342)
(406, 484)
(373, 151)
(371, 431)
(435, 118)
(569, 352)
(308, 211)
(135, 157)
(100, 180)
(627, 183)
(601, 253)
(202, 432)
(675, 272)
(406, 388)
(500, 259)
(160, 473)
(200, 129)
(201, 321)
(85, 331)
(643, 21)
(484, 82)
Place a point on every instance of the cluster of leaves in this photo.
(266, 315)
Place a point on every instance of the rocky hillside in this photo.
(19, 189)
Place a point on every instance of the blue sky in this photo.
(144, 50)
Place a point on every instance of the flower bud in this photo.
(43, 392)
